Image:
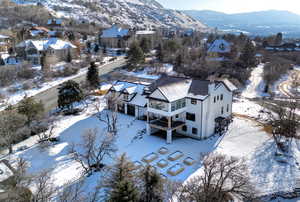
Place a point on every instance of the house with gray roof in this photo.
(188, 107)
(115, 37)
(219, 50)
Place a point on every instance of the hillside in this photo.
(256, 23)
(141, 13)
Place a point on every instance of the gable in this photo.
(157, 94)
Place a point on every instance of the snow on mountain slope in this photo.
(140, 13)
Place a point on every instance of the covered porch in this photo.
(166, 124)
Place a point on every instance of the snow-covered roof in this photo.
(44, 44)
(144, 32)
(175, 88)
(220, 46)
(3, 37)
(128, 87)
(114, 32)
(139, 100)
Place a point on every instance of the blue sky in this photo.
(234, 6)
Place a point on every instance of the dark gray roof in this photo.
(174, 88)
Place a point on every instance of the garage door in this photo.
(131, 110)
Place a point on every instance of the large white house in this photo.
(189, 107)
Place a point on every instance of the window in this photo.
(158, 105)
(177, 116)
(221, 96)
(195, 131)
(218, 98)
(184, 128)
(222, 110)
(193, 101)
(126, 97)
(179, 104)
(215, 99)
(227, 108)
(190, 117)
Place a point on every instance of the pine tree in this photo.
(69, 92)
(135, 55)
(92, 76)
(247, 57)
(69, 56)
(152, 186)
(160, 53)
(31, 109)
(278, 39)
(145, 44)
(121, 182)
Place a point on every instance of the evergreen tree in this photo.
(152, 186)
(92, 76)
(69, 56)
(31, 109)
(178, 62)
(135, 55)
(278, 39)
(247, 57)
(160, 53)
(69, 92)
(121, 182)
(96, 48)
(145, 44)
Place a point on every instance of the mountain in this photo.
(140, 13)
(254, 23)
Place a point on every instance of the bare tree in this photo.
(44, 185)
(10, 124)
(110, 116)
(285, 124)
(222, 178)
(93, 149)
(46, 137)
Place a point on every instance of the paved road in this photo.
(285, 86)
(49, 97)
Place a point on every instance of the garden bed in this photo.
(175, 156)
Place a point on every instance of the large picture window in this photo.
(179, 104)
(190, 117)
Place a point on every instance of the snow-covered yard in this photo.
(245, 139)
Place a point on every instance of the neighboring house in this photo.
(55, 49)
(287, 47)
(131, 98)
(189, 107)
(219, 50)
(4, 43)
(140, 34)
(115, 37)
(54, 23)
(6, 59)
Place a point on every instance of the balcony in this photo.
(163, 124)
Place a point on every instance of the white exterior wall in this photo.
(213, 110)
(197, 110)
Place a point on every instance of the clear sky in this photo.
(233, 6)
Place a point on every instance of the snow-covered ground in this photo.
(256, 85)
(152, 72)
(14, 98)
(245, 139)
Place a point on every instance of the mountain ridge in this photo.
(266, 22)
(137, 13)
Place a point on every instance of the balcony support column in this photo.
(169, 136)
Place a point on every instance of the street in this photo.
(49, 97)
